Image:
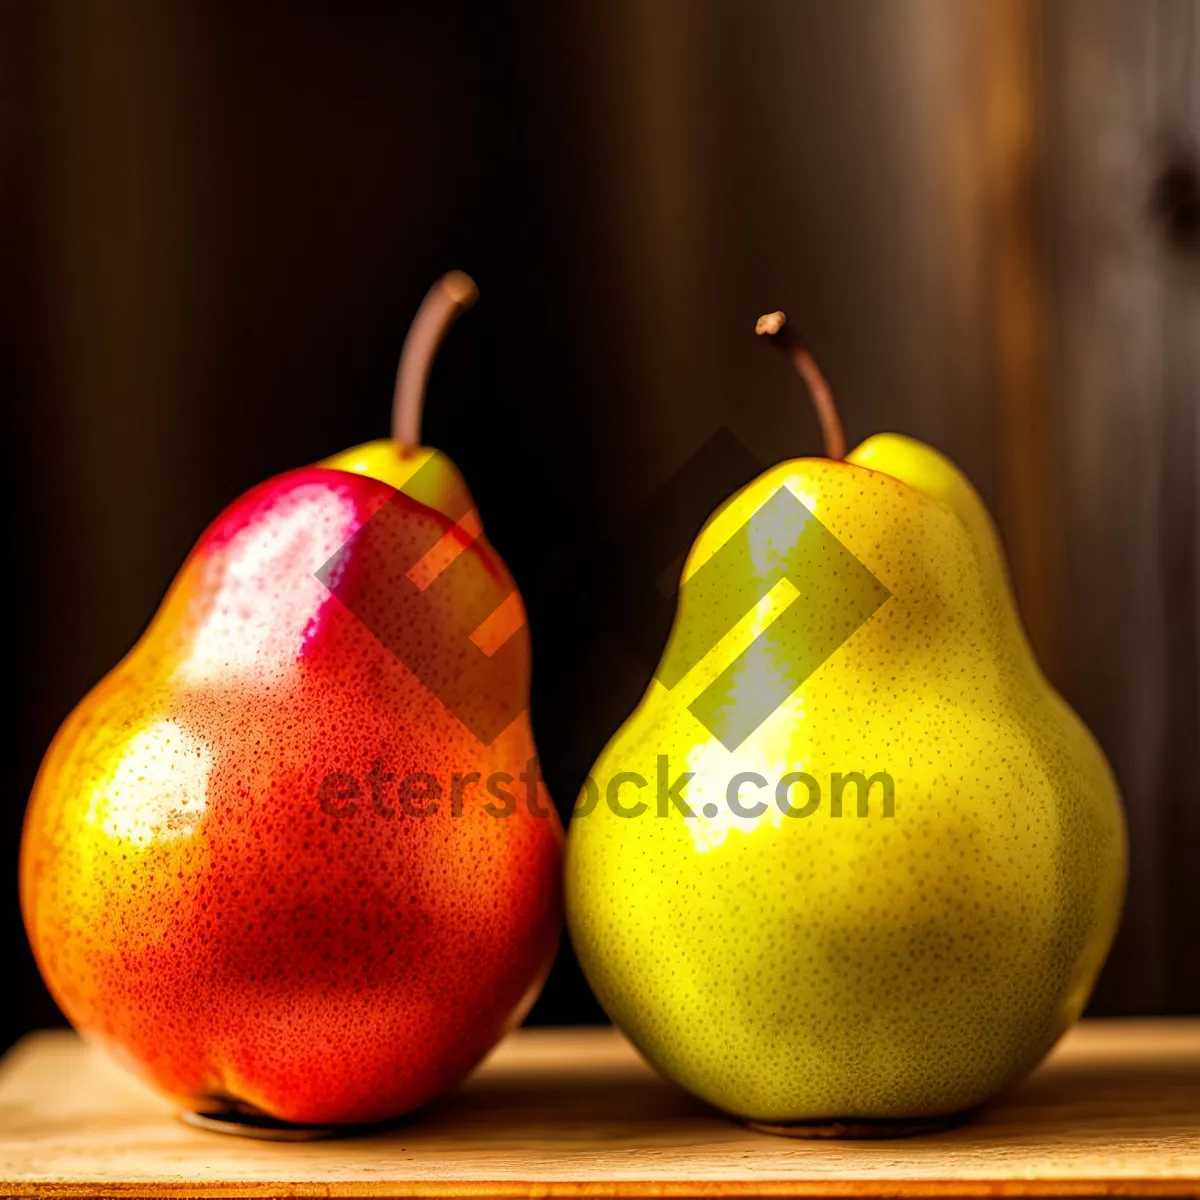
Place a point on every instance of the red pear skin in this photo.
(226, 879)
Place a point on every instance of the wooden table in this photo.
(1115, 1111)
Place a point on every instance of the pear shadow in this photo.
(1093, 1101)
(235, 1122)
(504, 1109)
(232, 1118)
(501, 1108)
(861, 1129)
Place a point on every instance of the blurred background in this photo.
(217, 219)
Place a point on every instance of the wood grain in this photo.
(1121, 92)
(1114, 1111)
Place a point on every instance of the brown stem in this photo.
(774, 326)
(452, 295)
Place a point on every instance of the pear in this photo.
(852, 863)
(278, 861)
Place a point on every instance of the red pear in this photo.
(292, 855)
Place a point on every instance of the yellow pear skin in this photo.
(898, 964)
(421, 472)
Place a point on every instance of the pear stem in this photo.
(775, 327)
(451, 296)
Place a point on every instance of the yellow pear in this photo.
(852, 859)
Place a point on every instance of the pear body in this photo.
(242, 869)
(904, 958)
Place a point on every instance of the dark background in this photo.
(217, 219)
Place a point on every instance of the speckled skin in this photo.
(795, 969)
(194, 907)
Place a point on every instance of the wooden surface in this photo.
(1116, 1110)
